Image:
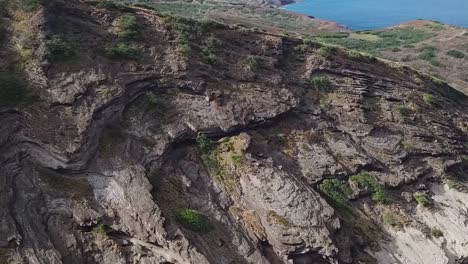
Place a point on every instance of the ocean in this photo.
(372, 14)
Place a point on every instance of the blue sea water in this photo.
(371, 14)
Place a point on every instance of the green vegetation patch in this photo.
(14, 91)
(364, 36)
(337, 192)
(224, 161)
(210, 49)
(422, 199)
(429, 99)
(378, 40)
(24, 5)
(205, 144)
(362, 57)
(327, 51)
(122, 51)
(193, 220)
(365, 180)
(128, 27)
(427, 53)
(58, 49)
(102, 229)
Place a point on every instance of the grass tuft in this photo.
(193, 220)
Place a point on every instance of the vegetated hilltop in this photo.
(429, 46)
(254, 15)
(129, 136)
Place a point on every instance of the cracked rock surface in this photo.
(99, 169)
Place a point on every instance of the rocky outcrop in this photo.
(245, 132)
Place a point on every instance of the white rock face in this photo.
(411, 246)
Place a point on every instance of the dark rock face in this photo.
(100, 169)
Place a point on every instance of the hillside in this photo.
(254, 15)
(429, 46)
(130, 135)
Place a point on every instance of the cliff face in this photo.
(153, 139)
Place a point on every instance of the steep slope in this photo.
(147, 138)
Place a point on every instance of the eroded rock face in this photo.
(99, 170)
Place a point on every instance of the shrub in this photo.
(209, 50)
(427, 55)
(327, 51)
(128, 27)
(364, 179)
(193, 220)
(336, 191)
(204, 144)
(456, 54)
(122, 51)
(436, 233)
(13, 90)
(379, 195)
(422, 199)
(321, 83)
(102, 229)
(59, 49)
